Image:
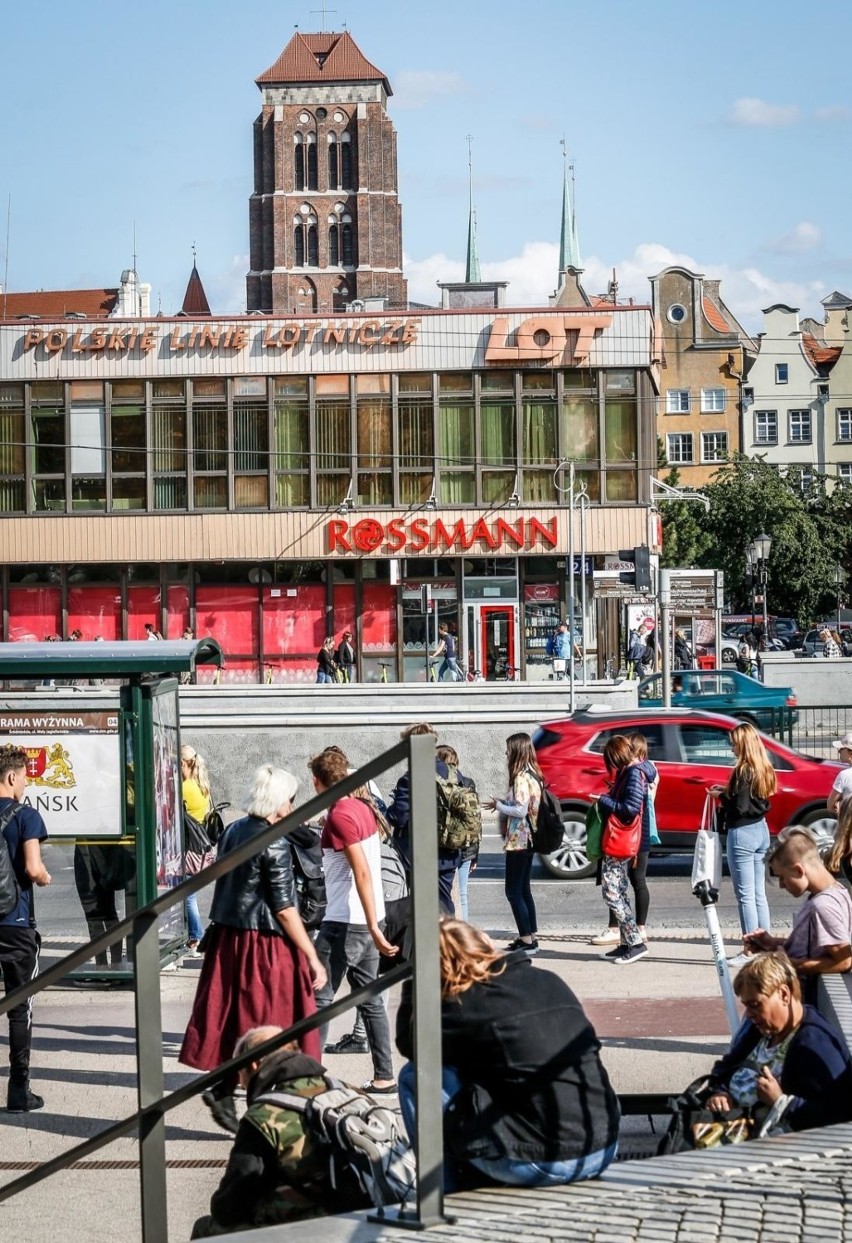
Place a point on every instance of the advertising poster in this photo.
(168, 807)
(73, 768)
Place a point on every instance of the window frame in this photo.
(782, 373)
(682, 437)
(765, 440)
(709, 406)
(681, 407)
(707, 460)
(844, 414)
(805, 417)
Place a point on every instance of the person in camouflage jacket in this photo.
(275, 1172)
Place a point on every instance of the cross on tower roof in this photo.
(324, 11)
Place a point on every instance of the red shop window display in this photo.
(293, 631)
(143, 605)
(229, 615)
(34, 613)
(378, 618)
(95, 611)
(177, 610)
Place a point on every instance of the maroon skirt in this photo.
(248, 979)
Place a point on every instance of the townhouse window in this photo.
(801, 478)
(712, 400)
(782, 373)
(677, 401)
(714, 446)
(766, 427)
(679, 447)
(844, 473)
(844, 424)
(799, 427)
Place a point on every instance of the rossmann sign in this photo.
(424, 535)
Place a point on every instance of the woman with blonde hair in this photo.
(195, 792)
(527, 1101)
(839, 858)
(744, 804)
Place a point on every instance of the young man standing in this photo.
(24, 831)
(842, 787)
(350, 938)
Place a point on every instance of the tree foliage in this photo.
(810, 530)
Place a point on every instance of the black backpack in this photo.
(9, 889)
(306, 853)
(549, 829)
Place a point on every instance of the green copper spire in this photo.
(471, 271)
(569, 243)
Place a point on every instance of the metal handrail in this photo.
(149, 1118)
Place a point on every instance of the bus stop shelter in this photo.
(100, 725)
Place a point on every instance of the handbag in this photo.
(707, 860)
(194, 863)
(694, 1126)
(559, 665)
(594, 832)
(622, 841)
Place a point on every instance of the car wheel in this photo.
(729, 656)
(823, 825)
(570, 861)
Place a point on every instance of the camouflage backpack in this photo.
(459, 813)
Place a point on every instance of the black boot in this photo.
(20, 1099)
(223, 1110)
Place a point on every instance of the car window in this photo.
(709, 684)
(653, 736)
(779, 762)
(729, 686)
(706, 744)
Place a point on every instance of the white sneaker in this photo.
(739, 960)
(609, 936)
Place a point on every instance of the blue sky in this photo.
(716, 135)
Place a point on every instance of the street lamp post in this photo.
(762, 547)
(839, 580)
(751, 569)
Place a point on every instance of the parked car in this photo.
(692, 751)
(723, 690)
(813, 644)
(788, 630)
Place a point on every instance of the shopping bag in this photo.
(707, 860)
(652, 819)
(594, 833)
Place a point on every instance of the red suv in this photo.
(691, 750)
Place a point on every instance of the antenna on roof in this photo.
(324, 11)
(194, 254)
(134, 245)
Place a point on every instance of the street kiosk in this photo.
(100, 724)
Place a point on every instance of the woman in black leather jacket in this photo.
(260, 966)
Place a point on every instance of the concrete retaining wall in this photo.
(816, 682)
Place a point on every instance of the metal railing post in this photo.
(429, 1138)
(150, 1083)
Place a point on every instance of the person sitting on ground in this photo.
(821, 937)
(275, 1174)
(783, 1048)
(527, 1101)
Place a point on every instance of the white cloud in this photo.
(834, 112)
(760, 114)
(532, 277)
(805, 236)
(415, 88)
(226, 289)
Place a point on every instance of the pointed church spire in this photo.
(195, 299)
(471, 271)
(569, 243)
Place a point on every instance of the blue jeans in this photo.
(746, 850)
(194, 926)
(519, 890)
(464, 874)
(450, 663)
(324, 677)
(501, 1169)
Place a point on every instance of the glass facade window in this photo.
(12, 454)
(375, 451)
(580, 440)
(291, 443)
(333, 450)
(457, 450)
(127, 439)
(620, 431)
(416, 449)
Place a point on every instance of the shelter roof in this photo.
(110, 659)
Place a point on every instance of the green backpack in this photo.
(459, 813)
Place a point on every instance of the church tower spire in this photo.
(471, 271)
(569, 243)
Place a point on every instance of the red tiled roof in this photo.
(322, 58)
(195, 299)
(714, 317)
(53, 304)
(820, 355)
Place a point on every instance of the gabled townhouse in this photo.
(786, 396)
(704, 355)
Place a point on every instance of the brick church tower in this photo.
(324, 219)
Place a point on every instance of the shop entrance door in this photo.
(496, 631)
